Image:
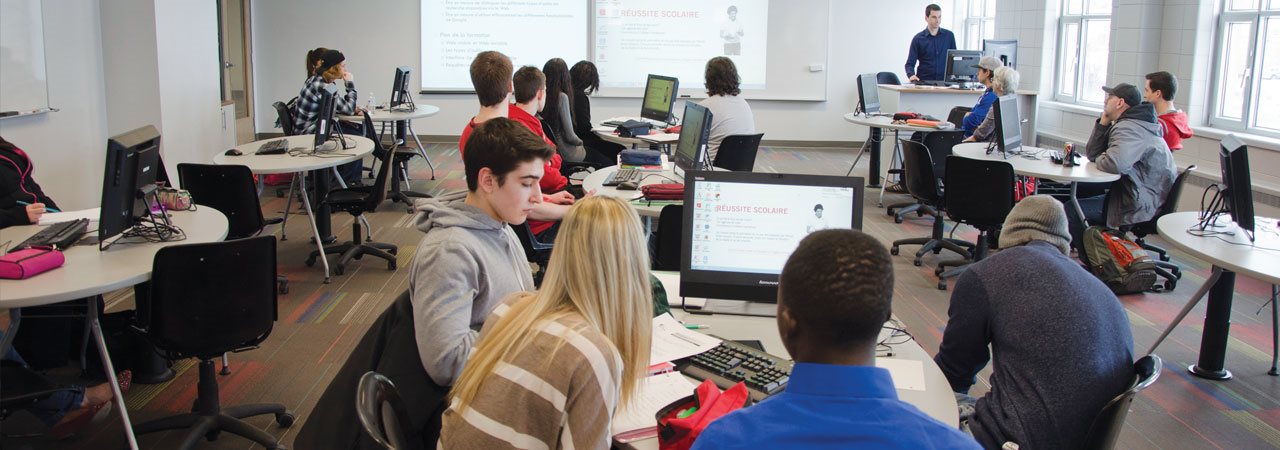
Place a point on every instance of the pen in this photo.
(696, 326)
(20, 202)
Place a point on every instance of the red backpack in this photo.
(680, 423)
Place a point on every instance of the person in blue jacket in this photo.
(929, 48)
(986, 67)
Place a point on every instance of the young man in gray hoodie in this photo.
(469, 259)
(1126, 140)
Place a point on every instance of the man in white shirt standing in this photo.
(731, 32)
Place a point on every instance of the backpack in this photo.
(1124, 266)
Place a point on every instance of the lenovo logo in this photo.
(767, 282)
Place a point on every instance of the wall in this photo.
(131, 69)
(67, 146)
(385, 34)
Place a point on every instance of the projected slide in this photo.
(530, 32)
(740, 227)
(675, 38)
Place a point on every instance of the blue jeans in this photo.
(51, 409)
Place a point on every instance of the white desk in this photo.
(389, 116)
(1041, 167)
(936, 400)
(872, 143)
(89, 272)
(595, 182)
(1229, 255)
(286, 163)
(935, 101)
(610, 134)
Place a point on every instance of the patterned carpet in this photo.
(320, 323)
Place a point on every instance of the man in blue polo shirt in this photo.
(929, 47)
(834, 296)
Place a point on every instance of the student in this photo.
(929, 48)
(22, 201)
(331, 66)
(1060, 339)
(313, 60)
(586, 81)
(469, 259)
(986, 68)
(730, 113)
(834, 296)
(1174, 125)
(558, 113)
(551, 367)
(1004, 81)
(530, 89)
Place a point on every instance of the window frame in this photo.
(1249, 109)
(1081, 21)
(985, 21)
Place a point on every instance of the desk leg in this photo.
(96, 328)
(1217, 324)
(421, 151)
(873, 167)
(306, 203)
(1191, 303)
(320, 220)
(1075, 204)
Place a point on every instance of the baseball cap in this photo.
(1125, 91)
(988, 62)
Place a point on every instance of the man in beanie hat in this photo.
(986, 67)
(1059, 337)
(1126, 140)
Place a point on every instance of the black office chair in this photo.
(284, 119)
(230, 190)
(923, 185)
(357, 201)
(400, 162)
(956, 117)
(535, 251)
(939, 144)
(738, 152)
(667, 239)
(192, 314)
(888, 78)
(980, 194)
(1106, 426)
(1144, 229)
(382, 412)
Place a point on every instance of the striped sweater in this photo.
(531, 402)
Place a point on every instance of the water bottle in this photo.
(370, 104)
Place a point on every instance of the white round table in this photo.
(89, 272)
(1229, 254)
(872, 143)
(389, 116)
(1041, 167)
(294, 161)
(595, 182)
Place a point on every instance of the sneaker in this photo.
(895, 188)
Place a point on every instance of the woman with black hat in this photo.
(332, 66)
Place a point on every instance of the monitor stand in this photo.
(730, 307)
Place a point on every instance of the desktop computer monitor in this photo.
(868, 93)
(1233, 157)
(132, 167)
(1008, 132)
(740, 227)
(1004, 50)
(325, 121)
(400, 88)
(960, 65)
(659, 97)
(691, 148)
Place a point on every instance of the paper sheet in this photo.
(672, 341)
(637, 419)
(906, 373)
(67, 216)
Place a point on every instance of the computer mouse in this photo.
(233, 152)
(628, 186)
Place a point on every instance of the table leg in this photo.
(1075, 203)
(320, 218)
(873, 168)
(118, 397)
(1217, 324)
(306, 203)
(1275, 330)
(1191, 303)
(421, 151)
(861, 151)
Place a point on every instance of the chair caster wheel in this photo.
(918, 262)
(1164, 258)
(1177, 274)
(937, 251)
(897, 219)
(893, 250)
(338, 270)
(311, 262)
(919, 213)
(282, 287)
(393, 251)
(938, 272)
(942, 285)
(211, 436)
(890, 212)
(285, 419)
(391, 265)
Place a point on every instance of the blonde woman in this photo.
(551, 366)
(1004, 81)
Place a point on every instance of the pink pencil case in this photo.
(29, 262)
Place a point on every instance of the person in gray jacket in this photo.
(1126, 140)
(469, 260)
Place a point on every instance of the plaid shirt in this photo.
(307, 110)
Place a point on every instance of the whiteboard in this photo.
(24, 86)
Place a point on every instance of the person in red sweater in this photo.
(530, 91)
(1159, 91)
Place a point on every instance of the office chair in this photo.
(1144, 229)
(668, 237)
(400, 160)
(888, 78)
(956, 117)
(357, 201)
(923, 185)
(191, 314)
(535, 251)
(738, 152)
(1106, 426)
(979, 193)
(940, 144)
(230, 190)
(382, 412)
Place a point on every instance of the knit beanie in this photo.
(329, 59)
(1037, 218)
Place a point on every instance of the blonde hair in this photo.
(332, 73)
(1005, 80)
(599, 269)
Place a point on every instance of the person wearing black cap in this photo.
(332, 66)
(1126, 140)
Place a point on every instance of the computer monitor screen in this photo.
(659, 96)
(1234, 160)
(400, 87)
(960, 65)
(132, 162)
(324, 119)
(740, 227)
(1008, 136)
(691, 148)
(1004, 50)
(868, 93)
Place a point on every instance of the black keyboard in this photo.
(623, 176)
(731, 362)
(61, 235)
(276, 147)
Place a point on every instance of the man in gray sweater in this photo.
(469, 259)
(1060, 339)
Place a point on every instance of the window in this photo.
(979, 23)
(1247, 94)
(1084, 32)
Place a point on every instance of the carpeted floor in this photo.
(320, 323)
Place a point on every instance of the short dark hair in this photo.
(1164, 82)
(817, 207)
(490, 77)
(931, 8)
(584, 76)
(501, 144)
(722, 77)
(732, 9)
(838, 284)
(528, 81)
